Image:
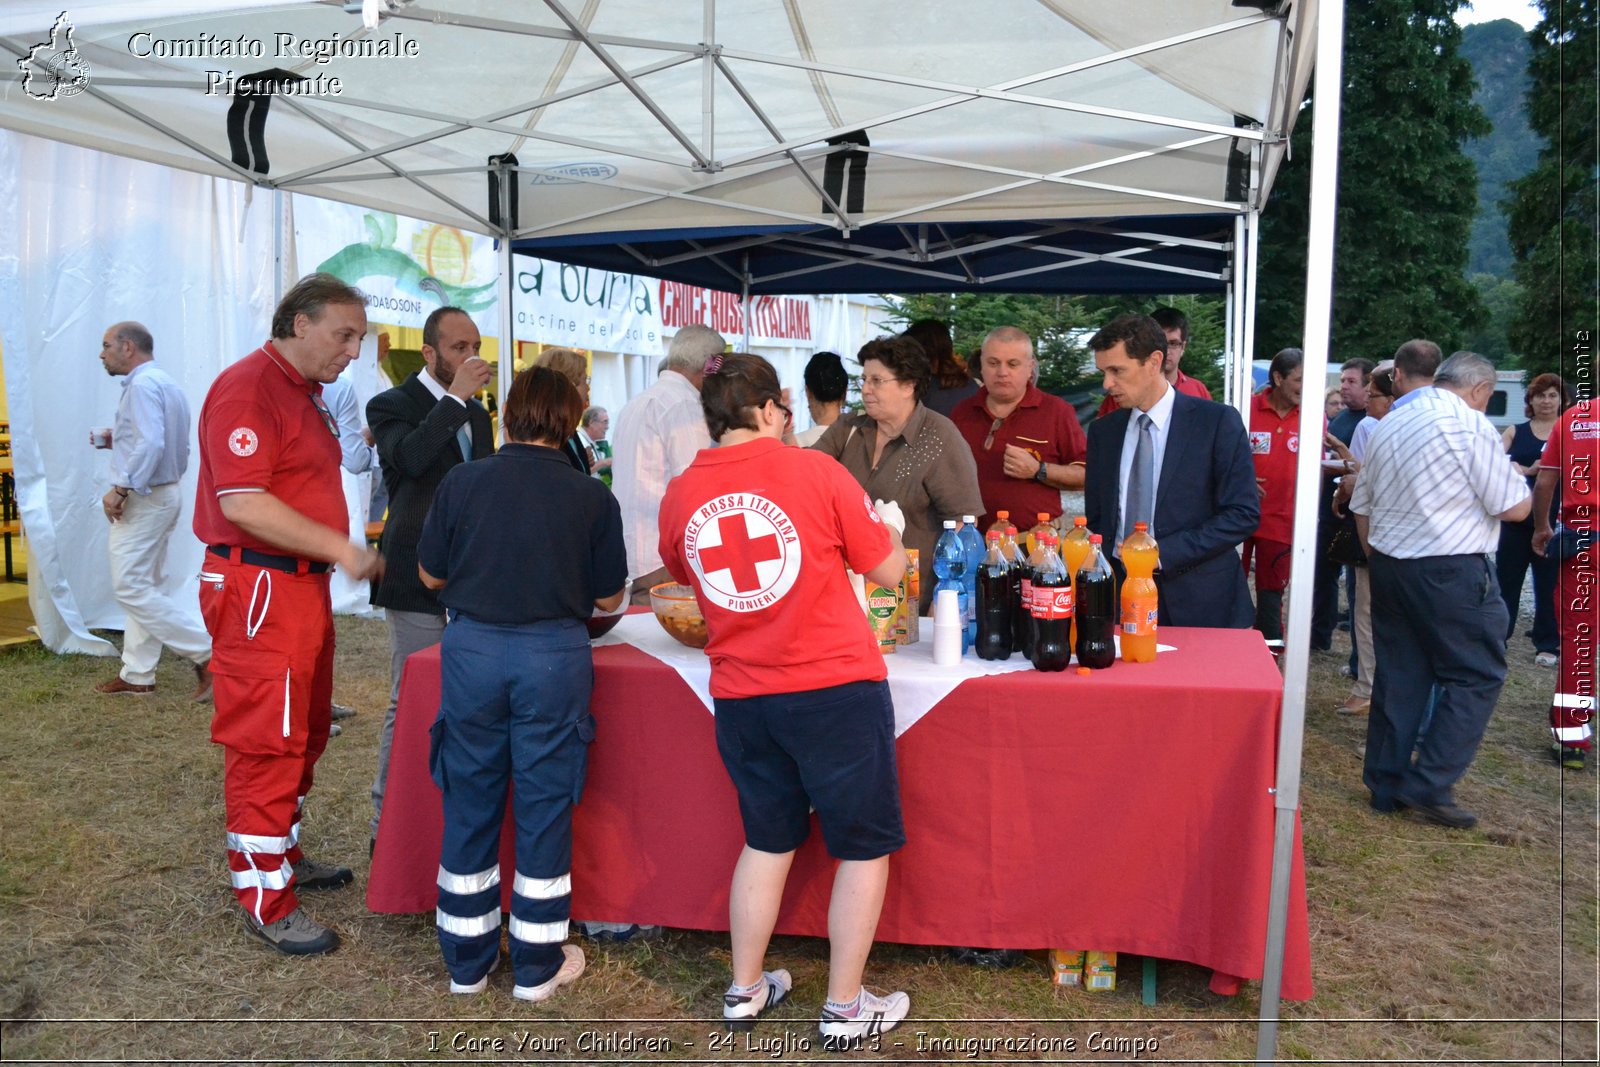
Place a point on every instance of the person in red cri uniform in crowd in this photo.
(1570, 466)
(1275, 447)
(271, 513)
(764, 534)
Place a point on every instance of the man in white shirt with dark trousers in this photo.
(1428, 505)
(149, 453)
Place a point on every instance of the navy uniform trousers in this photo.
(1437, 619)
(513, 710)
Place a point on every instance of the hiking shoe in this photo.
(202, 689)
(481, 984)
(296, 934)
(602, 931)
(571, 968)
(874, 1015)
(341, 711)
(1570, 758)
(1545, 659)
(741, 1010)
(309, 874)
(117, 687)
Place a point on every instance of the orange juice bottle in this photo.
(1074, 550)
(1002, 519)
(1139, 601)
(1044, 527)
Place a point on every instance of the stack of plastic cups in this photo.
(947, 626)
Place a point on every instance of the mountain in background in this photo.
(1498, 52)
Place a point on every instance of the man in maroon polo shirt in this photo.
(1028, 444)
(1175, 324)
(271, 512)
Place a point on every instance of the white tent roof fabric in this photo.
(632, 115)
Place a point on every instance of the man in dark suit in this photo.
(1179, 463)
(423, 427)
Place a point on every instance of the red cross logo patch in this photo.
(745, 550)
(243, 441)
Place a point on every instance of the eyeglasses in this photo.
(327, 416)
(876, 383)
(788, 416)
(988, 442)
(1378, 396)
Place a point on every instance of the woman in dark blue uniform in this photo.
(522, 548)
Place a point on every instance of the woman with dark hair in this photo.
(764, 534)
(1546, 398)
(951, 383)
(826, 386)
(516, 678)
(903, 452)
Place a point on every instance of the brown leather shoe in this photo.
(117, 687)
(202, 692)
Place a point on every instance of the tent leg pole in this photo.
(1318, 319)
(744, 302)
(506, 370)
(1247, 308)
(278, 264)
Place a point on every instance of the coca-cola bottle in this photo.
(1052, 608)
(1030, 627)
(994, 602)
(1097, 610)
(1021, 621)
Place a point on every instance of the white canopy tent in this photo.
(1084, 137)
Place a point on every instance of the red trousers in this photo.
(1271, 559)
(1578, 619)
(272, 669)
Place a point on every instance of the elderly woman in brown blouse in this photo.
(905, 452)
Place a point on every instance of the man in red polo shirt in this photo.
(1275, 447)
(1570, 466)
(1028, 444)
(271, 513)
(1175, 324)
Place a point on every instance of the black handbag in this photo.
(1344, 547)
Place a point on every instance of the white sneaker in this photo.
(481, 984)
(1546, 659)
(874, 1015)
(741, 1010)
(571, 968)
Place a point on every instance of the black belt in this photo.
(287, 564)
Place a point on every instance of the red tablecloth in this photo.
(1127, 810)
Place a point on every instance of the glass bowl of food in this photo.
(679, 614)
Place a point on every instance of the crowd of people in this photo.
(1430, 511)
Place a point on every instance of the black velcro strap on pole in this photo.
(509, 160)
(853, 197)
(247, 116)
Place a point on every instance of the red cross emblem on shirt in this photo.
(243, 441)
(739, 552)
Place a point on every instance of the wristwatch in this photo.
(1038, 475)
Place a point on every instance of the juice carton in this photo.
(1066, 966)
(1099, 971)
(907, 629)
(884, 606)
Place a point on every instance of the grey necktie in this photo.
(1139, 504)
(465, 442)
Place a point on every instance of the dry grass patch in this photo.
(1426, 944)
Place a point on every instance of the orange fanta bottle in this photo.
(1074, 550)
(1002, 519)
(1044, 527)
(1139, 601)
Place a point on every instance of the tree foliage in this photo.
(1552, 216)
(1498, 52)
(1406, 192)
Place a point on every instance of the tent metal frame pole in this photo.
(744, 300)
(506, 369)
(277, 247)
(1318, 327)
(708, 81)
(1236, 314)
(1247, 346)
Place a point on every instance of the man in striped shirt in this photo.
(1428, 506)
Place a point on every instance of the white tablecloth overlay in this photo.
(916, 683)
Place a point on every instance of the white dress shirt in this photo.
(658, 433)
(1160, 420)
(1435, 477)
(150, 439)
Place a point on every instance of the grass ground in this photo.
(119, 940)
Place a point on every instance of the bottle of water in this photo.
(950, 565)
(972, 544)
